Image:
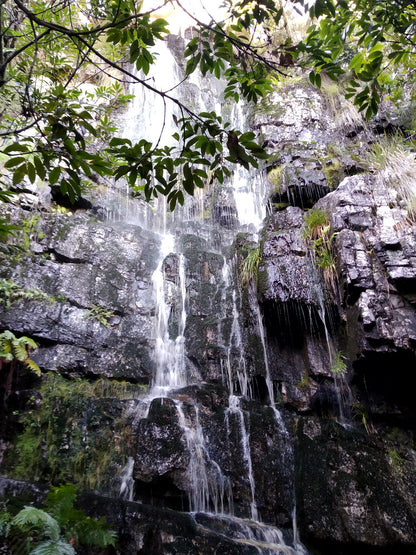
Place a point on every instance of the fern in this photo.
(13, 348)
(33, 367)
(5, 519)
(30, 517)
(19, 350)
(60, 502)
(53, 548)
(94, 532)
(85, 530)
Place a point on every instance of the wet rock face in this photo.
(369, 487)
(96, 281)
(377, 270)
(161, 447)
(306, 130)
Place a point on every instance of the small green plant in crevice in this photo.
(359, 412)
(29, 231)
(56, 529)
(11, 292)
(303, 383)
(277, 177)
(250, 266)
(14, 348)
(317, 232)
(338, 366)
(100, 313)
(396, 459)
(315, 220)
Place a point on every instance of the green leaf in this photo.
(54, 175)
(40, 168)
(15, 161)
(16, 147)
(31, 171)
(19, 174)
(192, 64)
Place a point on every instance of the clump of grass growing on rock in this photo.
(394, 164)
(317, 232)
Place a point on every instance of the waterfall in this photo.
(207, 484)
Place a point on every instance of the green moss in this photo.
(396, 460)
(262, 281)
(304, 383)
(333, 172)
(77, 433)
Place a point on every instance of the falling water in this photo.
(169, 353)
(127, 481)
(269, 382)
(209, 489)
(234, 407)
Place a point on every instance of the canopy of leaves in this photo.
(372, 42)
(56, 130)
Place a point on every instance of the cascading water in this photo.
(208, 487)
(169, 353)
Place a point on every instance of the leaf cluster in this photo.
(100, 313)
(52, 126)
(11, 292)
(17, 348)
(250, 266)
(317, 232)
(380, 35)
(198, 157)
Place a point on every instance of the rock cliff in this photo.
(300, 379)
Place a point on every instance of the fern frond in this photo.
(19, 350)
(7, 336)
(6, 344)
(60, 503)
(94, 532)
(38, 518)
(18, 542)
(31, 365)
(58, 547)
(29, 342)
(5, 519)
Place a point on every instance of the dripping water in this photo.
(127, 481)
(210, 490)
(234, 407)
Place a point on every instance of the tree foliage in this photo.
(55, 130)
(371, 42)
